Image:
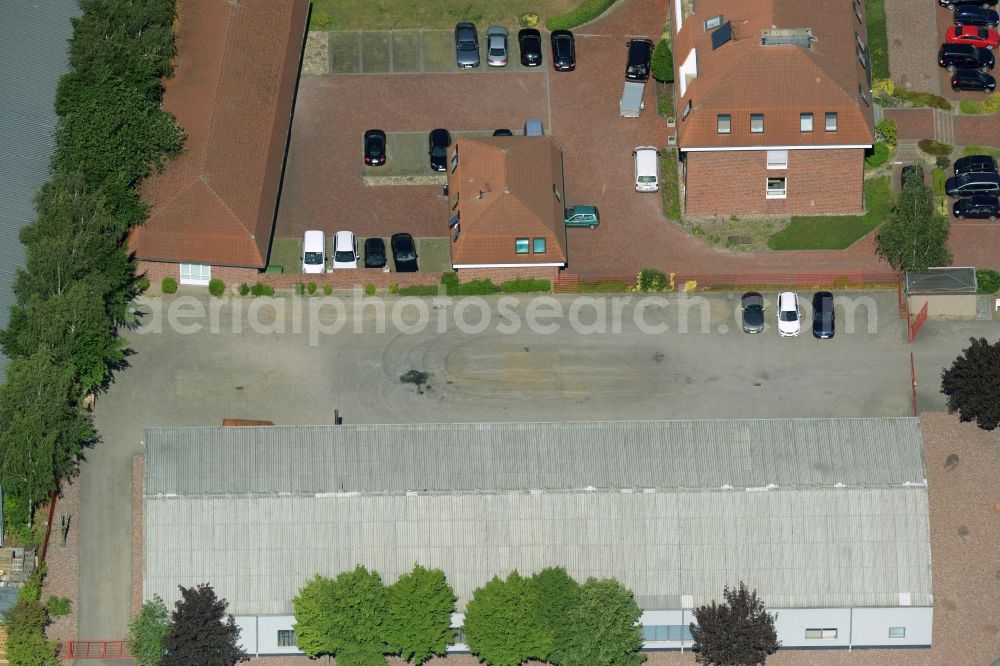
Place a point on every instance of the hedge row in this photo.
(586, 12)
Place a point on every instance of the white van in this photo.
(314, 252)
(647, 169)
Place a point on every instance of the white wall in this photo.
(688, 69)
(871, 625)
(792, 623)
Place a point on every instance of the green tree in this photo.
(343, 617)
(556, 594)
(603, 626)
(146, 632)
(972, 384)
(501, 621)
(201, 633)
(662, 63)
(418, 621)
(42, 427)
(916, 234)
(737, 632)
(26, 643)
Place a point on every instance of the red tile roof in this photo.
(506, 189)
(232, 93)
(744, 76)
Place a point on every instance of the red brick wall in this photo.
(820, 182)
(347, 279)
(157, 270)
(498, 275)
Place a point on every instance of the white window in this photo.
(713, 23)
(821, 634)
(286, 638)
(831, 121)
(777, 188)
(777, 159)
(723, 123)
(195, 273)
(805, 122)
(897, 632)
(756, 123)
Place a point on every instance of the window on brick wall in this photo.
(723, 123)
(805, 122)
(522, 245)
(756, 123)
(538, 245)
(777, 159)
(777, 187)
(831, 121)
(195, 273)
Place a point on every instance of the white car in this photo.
(647, 169)
(345, 250)
(789, 315)
(496, 46)
(314, 252)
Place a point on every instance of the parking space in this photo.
(433, 253)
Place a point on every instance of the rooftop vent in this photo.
(802, 37)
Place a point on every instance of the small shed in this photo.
(948, 292)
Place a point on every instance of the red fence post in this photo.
(913, 383)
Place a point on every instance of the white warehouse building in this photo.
(826, 518)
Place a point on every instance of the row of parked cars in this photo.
(976, 186)
(529, 41)
(967, 51)
(789, 314)
(345, 252)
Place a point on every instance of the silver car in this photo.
(496, 46)
(466, 45)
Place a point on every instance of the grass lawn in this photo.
(836, 232)
(285, 253)
(982, 150)
(671, 190)
(878, 40)
(400, 14)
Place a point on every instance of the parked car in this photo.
(530, 42)
(647, 169)
(953, 4)
(345, 250)
(752, 305)
(466, 45)
(975, 164)
(978, 207)
(975, 15)
(789, 314)
(972, 183)
(314, 252)
(973, 35)
(496, 46)
(374, 253)
(962, 56)
(908, 169)
(404, 253)
(582, 216)
(972, 79)
(374, 147)
(502, 132)
(640, 51)
(437, 148)
(823, 315)
(563, 51)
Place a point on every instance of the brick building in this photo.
(212, 210)
(773, 103)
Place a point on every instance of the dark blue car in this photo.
(823, 316)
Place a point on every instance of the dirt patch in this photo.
(742, 234)
(418, 378)
(316, 59)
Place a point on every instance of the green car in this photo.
(582, 216)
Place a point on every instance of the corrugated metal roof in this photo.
(789, 453)
(951, 280)
(33, 52)
(800, 549)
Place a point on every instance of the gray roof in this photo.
(33, 38)
(941, 281)
(647, 503)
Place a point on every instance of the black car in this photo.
(530, 41)
(904, 174)
(823, 316)
(563, 51)
(972, 79)
(953, 4)
(965, 56)
(374, 253)
(975, 164)
(640, 51)
(502, 132)
(374, 147)
(979, 207)
(972, 183)
(752, 305)
(404, 253)
(975, 15)
(437, 147)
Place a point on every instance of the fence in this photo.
(573, 283)
(97, 650)
(913, 383)
(913, 327)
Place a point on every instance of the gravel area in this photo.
(63, 578)
(913, 30)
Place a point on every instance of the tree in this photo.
(501, 621)
(556, 595)
(737, 632)
(662, 64)
(604, 629)
(343, 617)
(916, 235)
(972, 384)
(146, 632)
(201, 633)
(418, 621)
(26, 643)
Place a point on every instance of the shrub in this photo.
(369, 290)
(142, 285)
(650, 280)
(477, 288)
(664, 107)
(311, 288)
(932, 147)
(588, 10)
(885, 131)
(216, 287)
(982, 150)
(690, 285)
(528, 20)
(327, 289)
(662, 67)
(970, 107)
(58, 606)
(880, 155)
(883, 87)
(393, 288)
(938, 176)
(262, 290)
(169, 285)
(991, 104)
(244, 289)
(942, 162)
(988, 281)
(525, 286)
